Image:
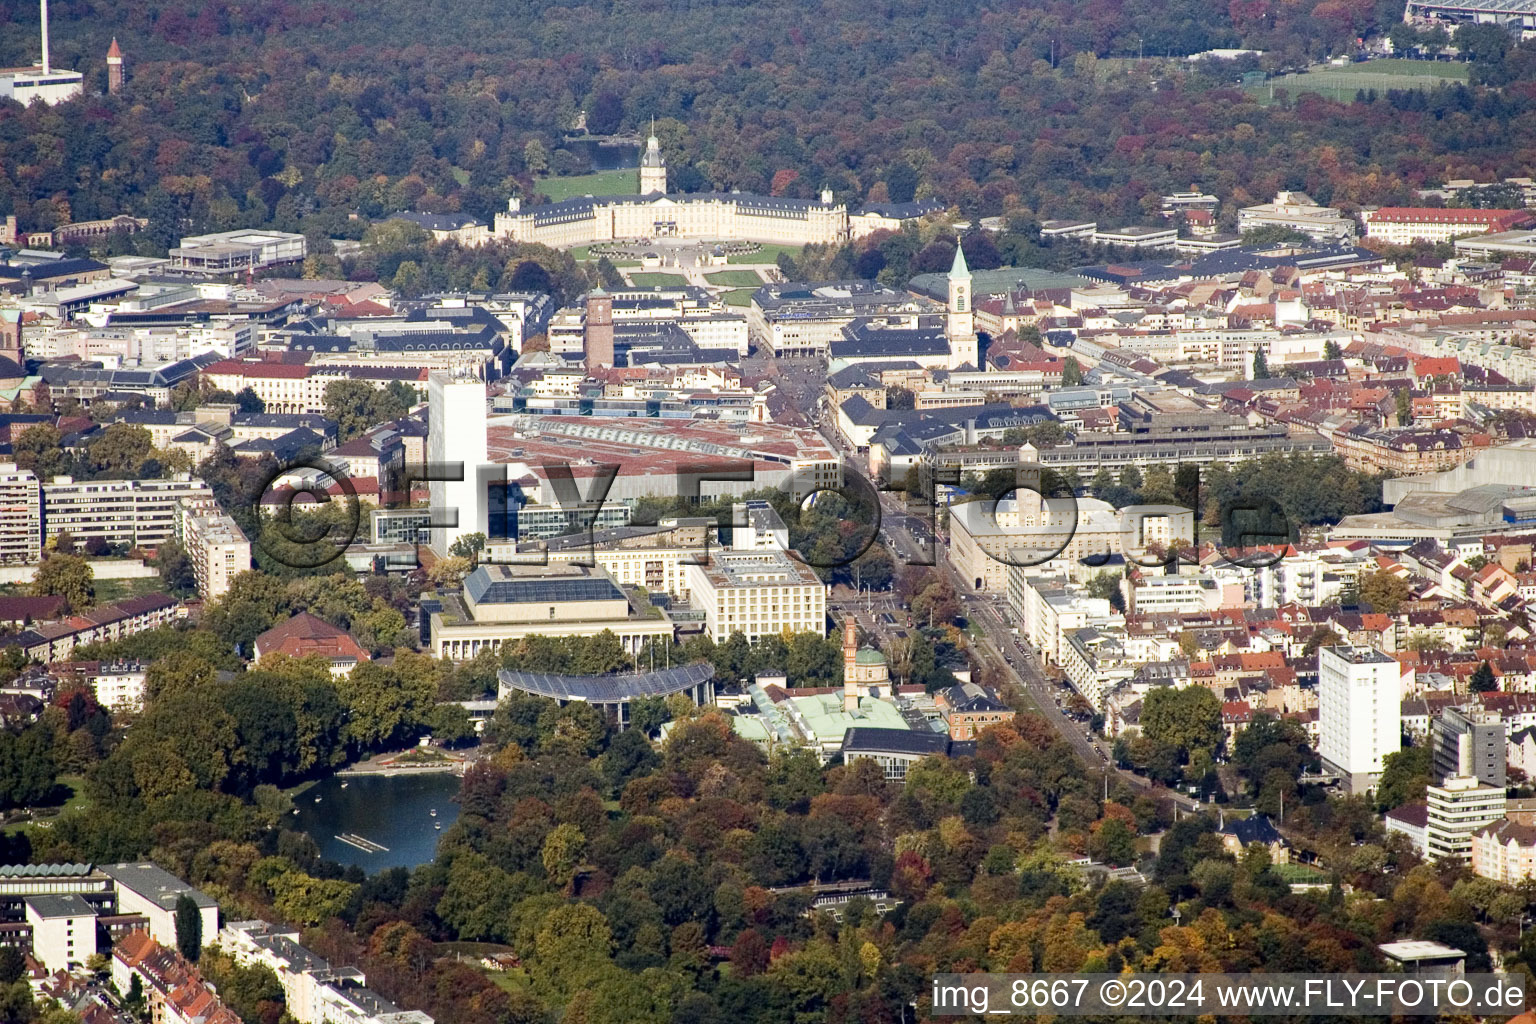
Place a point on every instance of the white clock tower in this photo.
(960, 324)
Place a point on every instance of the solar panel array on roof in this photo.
(610, 689)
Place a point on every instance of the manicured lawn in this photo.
(767, 254)
(651, 279)
(602, 183)
(1450, 70)
(75, 784)
(738, 296)
(735, 278)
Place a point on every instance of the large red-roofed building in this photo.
(1404, 225)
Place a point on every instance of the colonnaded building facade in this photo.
(652, 213)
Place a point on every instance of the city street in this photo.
(910, 540)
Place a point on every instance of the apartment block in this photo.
(218, 549)
(315, 992)
(131, 513)
(1359, 704)
(1505, 851)
(1404, 225)
(174, 991)
(54, 641)
(21, 515)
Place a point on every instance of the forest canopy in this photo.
(298, 116)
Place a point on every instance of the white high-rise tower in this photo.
(456, 422)
(1359, 713)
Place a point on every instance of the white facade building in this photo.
(135, 513)
(145, 888)
(142, 346)
(1457, 810)
(1137, 237)
(716, 216)
(63, 930)
(218, 549)
(1404, 225)
(34, 85)
(757, 593)
(41, 83)
(1359, 705)
(1154, 594)
(1048, 608)
(1298, 212)
(229, 252)
(314, 991)
(119, 685)
(21, 515)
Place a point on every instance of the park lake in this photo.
(605, 157)
(387, 820)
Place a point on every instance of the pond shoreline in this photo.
(456, 767)
(394, 764)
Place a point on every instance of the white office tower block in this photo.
(1359, 713)
(456, 434)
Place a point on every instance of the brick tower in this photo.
(114, 68)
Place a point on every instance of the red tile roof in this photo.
(179, 983)
(1435, 215)
(258, 369)
(305, 634)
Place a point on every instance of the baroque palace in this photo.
(715, 216)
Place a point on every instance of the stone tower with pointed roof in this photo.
(114, 68)
(960, 324)
(653, 167)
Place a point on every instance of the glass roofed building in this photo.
(612, 694)
(501, 603)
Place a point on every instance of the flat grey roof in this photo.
(65, 905)
(155, 883)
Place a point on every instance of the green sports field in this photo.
(1341, 83)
